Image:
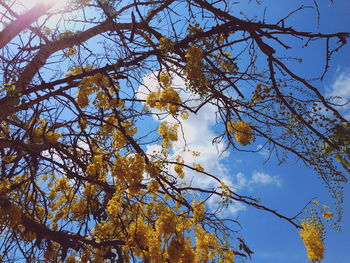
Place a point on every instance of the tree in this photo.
(77, 182)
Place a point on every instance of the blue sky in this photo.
(272, 240)
(290, 186)
(287, 187)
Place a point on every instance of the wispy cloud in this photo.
(263, 151)
(340, 91)
(265, 179)
(196, 134)
(242, 181)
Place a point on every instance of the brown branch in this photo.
(24, 21)
(65, 239)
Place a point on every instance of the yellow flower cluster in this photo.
(198, 211)
(242, 131)
(129, 170)
(194, 70)
(8, 158)
(40, 135)
(71, 259)
(4, 129)
(180, 250)
(158, 235)
(145, 240)
(71, 52)
(165, 79)
(89, 191)
(96, 166)
(115, 204)
(227, 256)
(13, 214)
(92, 84)
(168, 133)
(166, 99)
(109, 125)
(261, 92)
(198, 167)
(79, 210)
(4, 187)
(312, 235)
(206, 245)
(153, 169)
(226, 65)
(195, 29)
(166, 45)
(323, 211)
(166, 222)
(46, 31)
(138, 236)
(327, 214)
(178, 168)
(60, 194)
(66, 34)
(153, 187)
(118, 137)
(225, 192)
(105, 230)
(51, 252)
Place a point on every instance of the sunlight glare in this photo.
(24, 5)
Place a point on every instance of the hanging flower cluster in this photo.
(97, 84)
(168, 133)
(197, 82)
(165, 99)
(242, 131)
(166, 45)
(43, 134)
(128, 171)
(312, 235)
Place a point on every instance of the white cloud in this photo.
(263, 151)
(233, 209)
(154, 148)
(196, 134)
(341, 85)
(241, 181)
(150, 84)
(265, 179)
(340, 88)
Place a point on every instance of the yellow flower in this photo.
(312, 237)
(169, 134)
(164, 79)
(242, 131)
(8, 158)
(327, 214)
(198, 167)
(179, 167)
(71, 52)
(198, 211)
(52, 137)
(166, 222)
(184, 115)
(166, 99)
(166, 45)
(129, 170)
